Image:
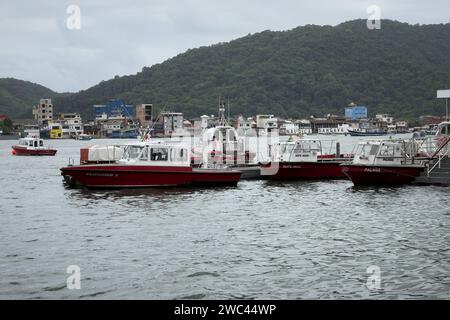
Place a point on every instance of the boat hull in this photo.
(366, 134)
(362, 175)
(306, 170)
(24, 151)
(125, 176)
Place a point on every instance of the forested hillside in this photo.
(307, 70)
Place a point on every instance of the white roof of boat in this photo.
(151, 143)
(30, 138)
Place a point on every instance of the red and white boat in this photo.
(149, 164)
(304, 160)
(385, 162)
(32, 146)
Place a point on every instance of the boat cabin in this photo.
(300, 150)
(156, 154)
(386, 152)
(443, 129)
(31, 142)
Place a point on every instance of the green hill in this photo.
(17, 97)
(306, 70)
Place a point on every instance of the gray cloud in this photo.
(120, 37)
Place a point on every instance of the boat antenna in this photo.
(221, 113)
(228, 107)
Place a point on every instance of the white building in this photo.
(304, 126)
(386, 118)
(71, 124)
(401, 126)
(266, 121)
(289, 128)
(340, 129)
(173, 123)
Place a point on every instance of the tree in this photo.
(6, 126)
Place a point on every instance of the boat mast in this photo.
(222, 121)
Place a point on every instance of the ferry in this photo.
(32, 146)
(385, 162)
(149, 164)
(365, 132)
(305, 159)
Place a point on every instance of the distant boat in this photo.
(125, 134)
(32, 146)
(367, 132)
(84, 137)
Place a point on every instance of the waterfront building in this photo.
(43, 112)
(355, 112)
(204, 119)
(328, 125)
(116, 109)
(144, 114)
(173, 122)
(386, 118)
(304, 126)
(266, 121)
(431, 120)
(401, 126)
(289, 128)
(71, 124)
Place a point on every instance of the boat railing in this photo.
(441, 153)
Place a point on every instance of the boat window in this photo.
(387, 151)
(41, 143)
(305, 147)
(132, 152)
(287, 148)
(144, 154)
(367, 150)
(374, 150)
(179, 155)
(159, 154)
(35, 143)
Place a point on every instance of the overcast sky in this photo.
(120, 37)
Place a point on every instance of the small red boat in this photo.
(388, 162)
(32, 146)
(149, 164)
(303, 159)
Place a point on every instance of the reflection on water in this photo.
(259, 240)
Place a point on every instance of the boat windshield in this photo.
(388, 150)
(444, 130)
(367, 149)
(307, 146)
(287, 148)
